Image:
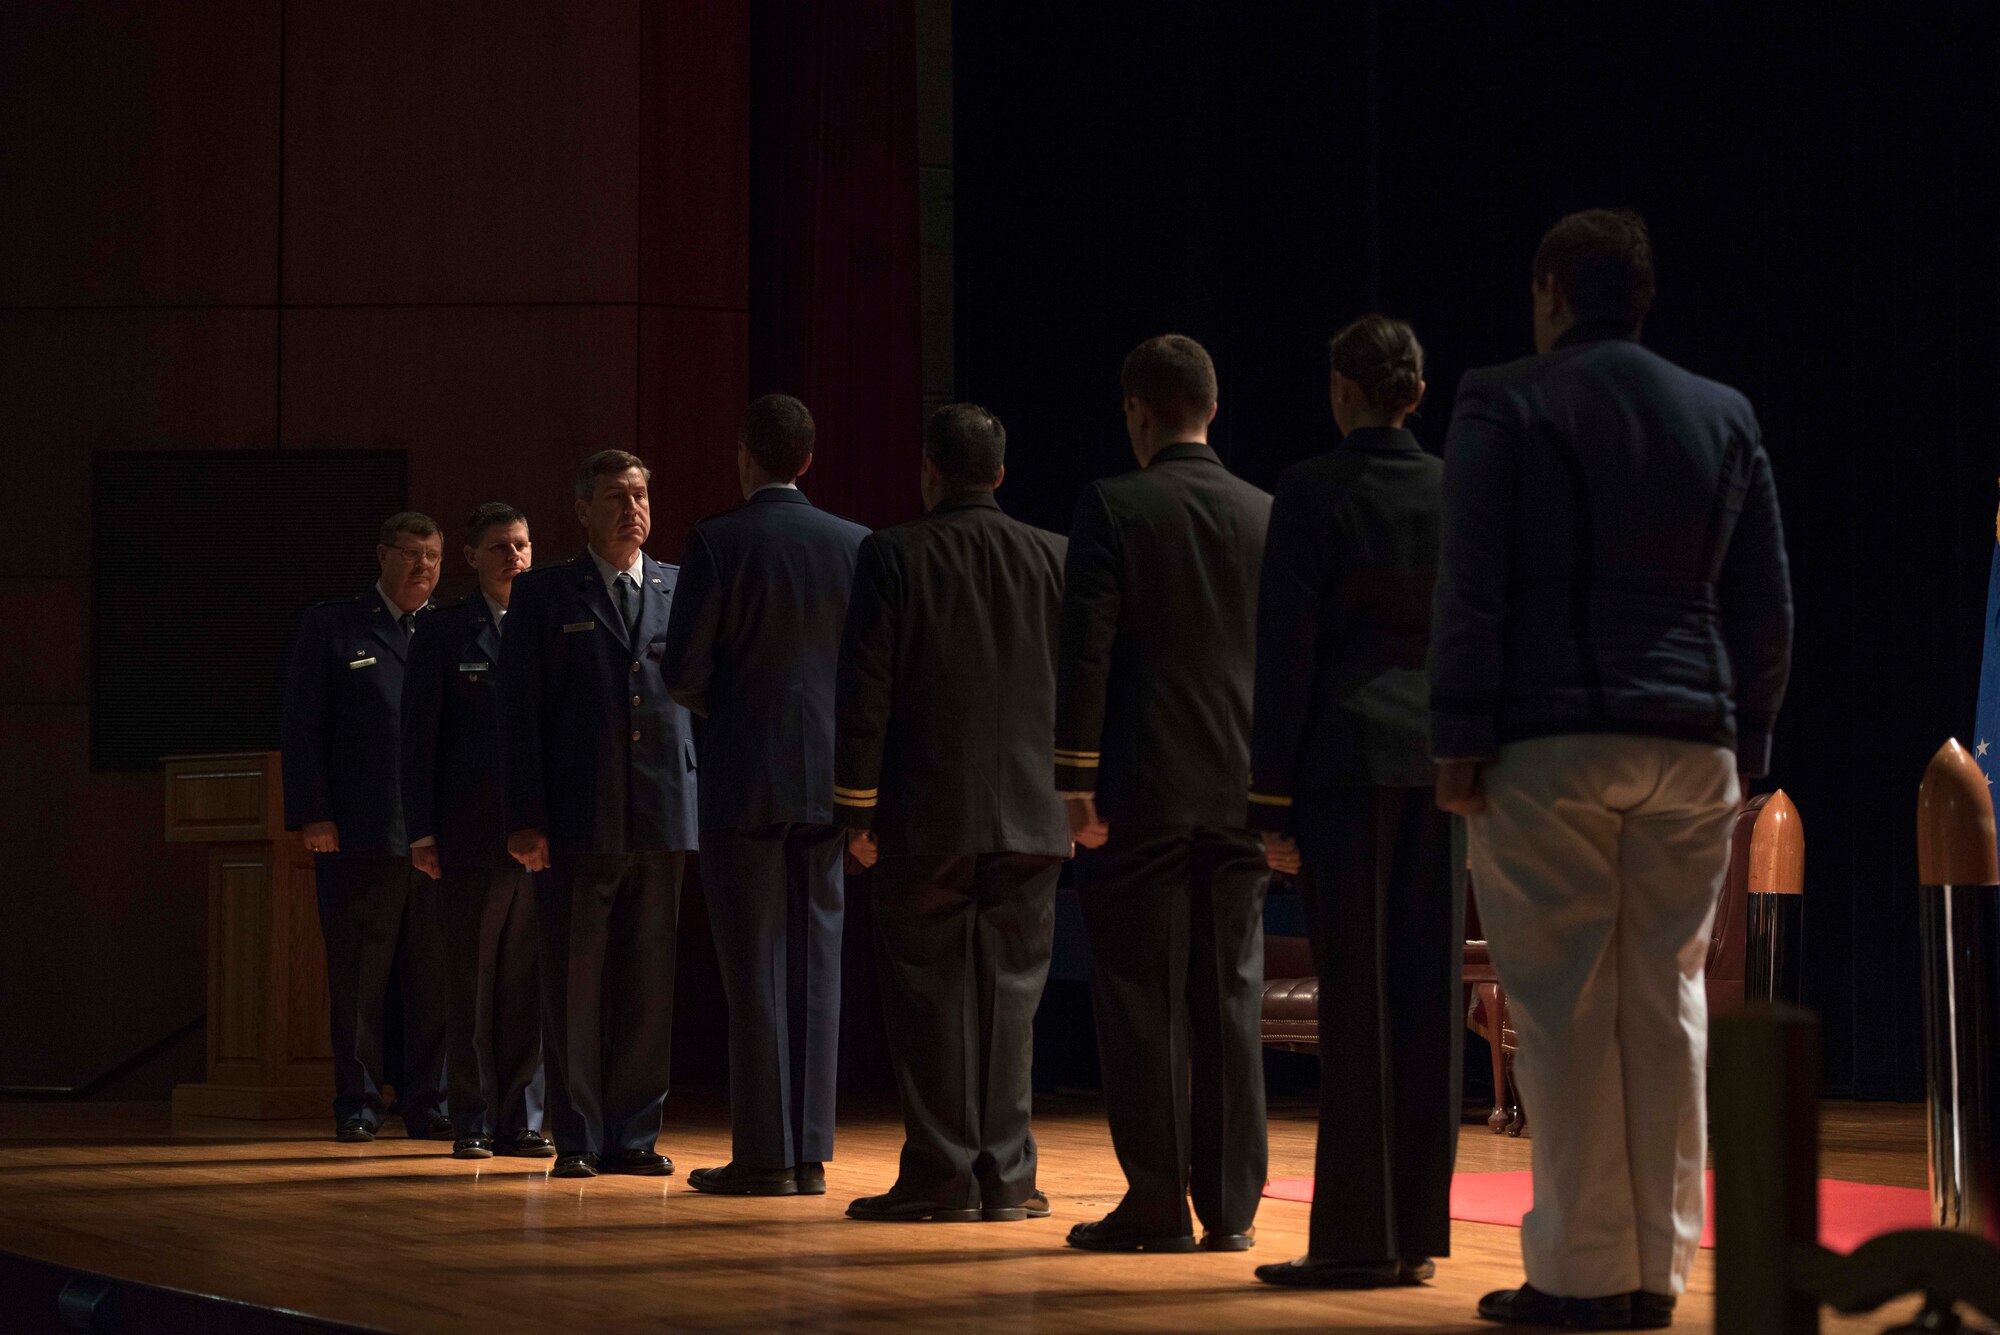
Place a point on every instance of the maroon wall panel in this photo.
(694, 236)
(45, 656)
(74, 381)
(459, 150)
(138, 152)
(687, 429)
(492, 403)
(105, 923)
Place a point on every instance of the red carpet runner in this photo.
(1850, 1213)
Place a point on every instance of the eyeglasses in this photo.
(418, 556)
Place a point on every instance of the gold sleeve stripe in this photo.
(1067, 762)
(1078, 755)
(1266, 800)
(858, 803)
(855, 792)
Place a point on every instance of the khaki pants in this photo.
(1597, 863)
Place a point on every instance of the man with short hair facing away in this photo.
(1152, 753)
(458, 836)
(947, 703)
(342, 748)
(600, 785)
(751, 649)
(1611, 645)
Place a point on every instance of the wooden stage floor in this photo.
(396, 1236)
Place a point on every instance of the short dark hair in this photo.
(778, 431)
(1383, 357)
(1603, 258)
(607, 463)
(406, 521)
(967, 443)
(1173, 373)
(490, 514)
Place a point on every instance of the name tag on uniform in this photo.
(475, 667)
(575, 626)
(361, 663)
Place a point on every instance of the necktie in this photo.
(628, 605)
(408, 621)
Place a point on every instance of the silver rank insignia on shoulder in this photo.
(362, 662)
(575, 626)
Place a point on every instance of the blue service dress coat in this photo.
(598, 755)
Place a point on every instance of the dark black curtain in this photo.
(1821, 186)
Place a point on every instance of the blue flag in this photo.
(1986, 733)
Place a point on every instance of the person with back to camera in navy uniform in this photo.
(342, 750)
(1152, 754)
(947, 704)
(1341, 779)
(458, 836)
(599, 771)
(1612, 643)
(751, 649)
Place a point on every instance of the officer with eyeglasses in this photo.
(342, 743)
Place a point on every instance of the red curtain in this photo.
(834, 304)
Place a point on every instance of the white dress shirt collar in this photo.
(610, 573)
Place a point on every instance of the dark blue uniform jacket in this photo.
(451, 737)
(754, 647)
(343, 708)
(595, 751)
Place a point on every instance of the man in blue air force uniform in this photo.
(341, 741)
(753, 648)
(457, 821)
(600, 779)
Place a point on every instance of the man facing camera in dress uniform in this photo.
(342, 747)
(458, 836)
(1159, 641)
(752, 648)
(600, 790)
(947, 704)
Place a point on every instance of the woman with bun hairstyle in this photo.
(1340, 781)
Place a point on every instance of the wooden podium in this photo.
(269, 1053)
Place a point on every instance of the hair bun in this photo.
(1383, 357)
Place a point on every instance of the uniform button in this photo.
(635, 699)
(635, 734)
(635, 667)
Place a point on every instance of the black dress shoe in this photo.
(575, 1165)
(1652, 1311)
(1036, 1206)
(1529, 1306)
(1308, 1273)
(1104, 1235)
(735, 1179)
(354, 1131)
(890, 1208)
(1229, 1242)
(435, 1127)
(811, 1178)
(637, 1163)
(525, 1144)
(472, 1147)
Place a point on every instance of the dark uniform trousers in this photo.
(1388, 937)
(496, 1036)
(962, 950)
(377, 915)
(776, 904)
(1176, 927)
(608, 924)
